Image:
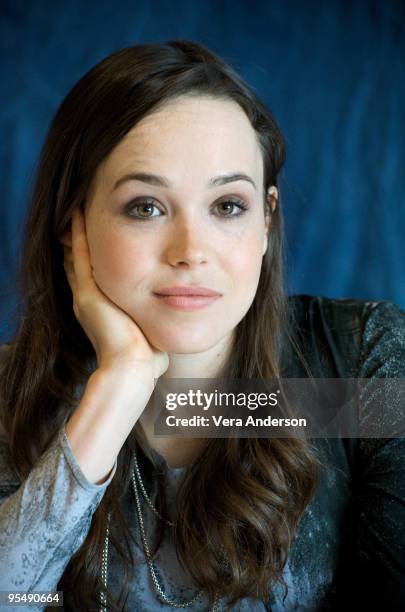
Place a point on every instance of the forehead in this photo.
(189, 137)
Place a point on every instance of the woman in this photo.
(159, 178)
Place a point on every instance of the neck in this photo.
(207, 364)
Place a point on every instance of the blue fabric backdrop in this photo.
(331, 71)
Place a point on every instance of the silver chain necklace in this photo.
(148, 556)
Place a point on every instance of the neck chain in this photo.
(154, 573)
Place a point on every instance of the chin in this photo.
(182, 343)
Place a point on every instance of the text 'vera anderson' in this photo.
(220, 421)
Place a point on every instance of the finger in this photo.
(80, 250)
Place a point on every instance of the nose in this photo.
(187, 246)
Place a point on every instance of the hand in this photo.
(115, 336)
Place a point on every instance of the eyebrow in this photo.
(161, 181)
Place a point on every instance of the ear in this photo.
(271, 201)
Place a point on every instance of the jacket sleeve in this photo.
(45, 519)
(378, 576)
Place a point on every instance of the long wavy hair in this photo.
(243, 496)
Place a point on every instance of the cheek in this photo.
(245, 262)
(119, 263)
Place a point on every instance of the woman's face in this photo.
(175, 225)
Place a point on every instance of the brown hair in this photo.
(252, 507)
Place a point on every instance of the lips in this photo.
(187, 298)
(188, 291)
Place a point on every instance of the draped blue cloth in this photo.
(333, 73)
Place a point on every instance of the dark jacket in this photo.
(352, 542)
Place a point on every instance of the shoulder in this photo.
(344, 313)
(354, 337)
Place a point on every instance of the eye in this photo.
(142, 210)
(232, 205)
